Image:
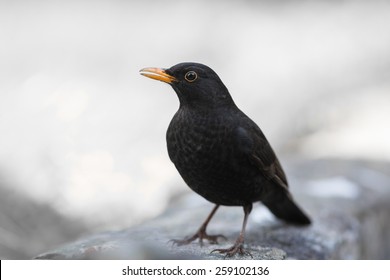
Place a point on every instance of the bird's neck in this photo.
(207, 109)
(205, 100)
(200, 113)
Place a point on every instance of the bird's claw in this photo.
(201, 235)
(230, 252)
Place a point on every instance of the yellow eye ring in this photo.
(191, 76)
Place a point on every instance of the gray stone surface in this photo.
(28, 227)
(347, 200)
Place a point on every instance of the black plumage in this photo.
(220, 152)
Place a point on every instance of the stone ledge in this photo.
(348, 202)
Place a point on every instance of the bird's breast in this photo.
(203, 151)
(198, 141)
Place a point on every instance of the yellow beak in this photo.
(157, 74)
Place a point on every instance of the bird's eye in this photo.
(191, 76)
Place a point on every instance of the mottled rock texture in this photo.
(348, 202)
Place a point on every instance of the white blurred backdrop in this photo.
(83, 132)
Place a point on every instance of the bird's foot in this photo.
(201, 235)
(236, 248)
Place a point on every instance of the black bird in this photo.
(220, 152)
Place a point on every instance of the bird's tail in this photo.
(283, 206)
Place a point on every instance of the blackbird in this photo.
(221, 153)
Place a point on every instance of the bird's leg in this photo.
(201, 233)
(238, 246)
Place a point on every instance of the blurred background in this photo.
(82, 134)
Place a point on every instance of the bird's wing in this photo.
(252, 142)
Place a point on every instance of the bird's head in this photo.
(196, 84)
